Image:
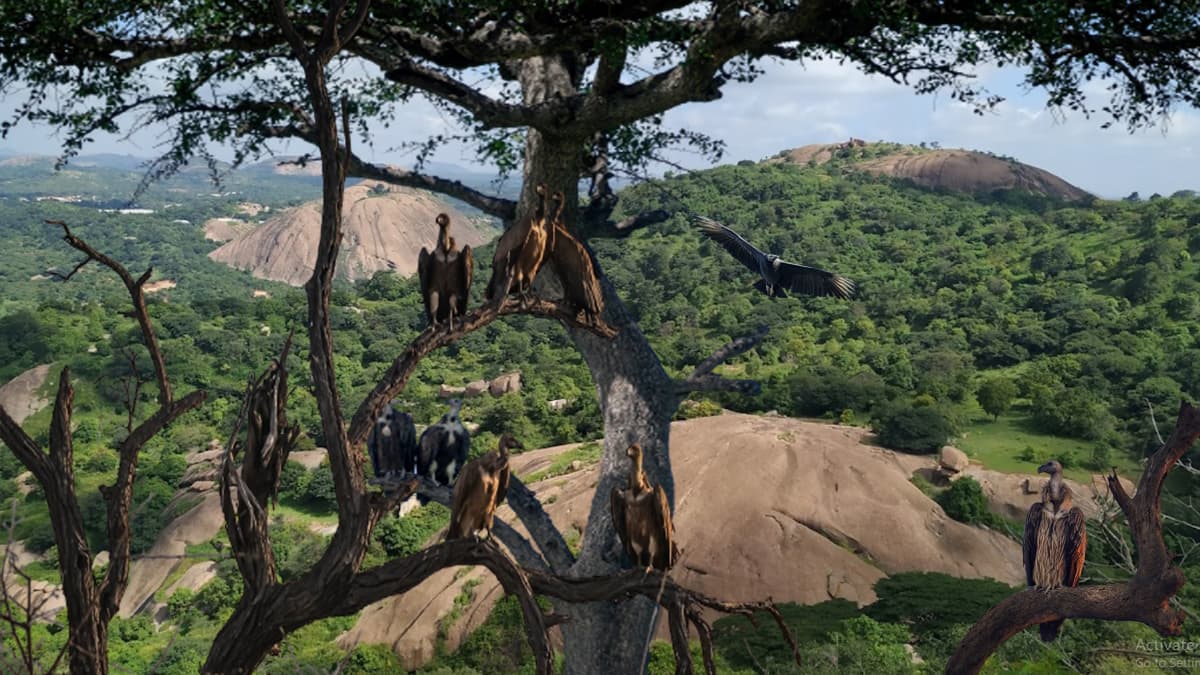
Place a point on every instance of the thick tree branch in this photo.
(1145, 598)
(702, 378)
(489, 112)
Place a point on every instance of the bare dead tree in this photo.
(1145, 598)
(19, 614)
(90, 607)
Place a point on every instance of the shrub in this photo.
(904, 427)
(931, 601)
(965, 502)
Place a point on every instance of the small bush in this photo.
(965, 502)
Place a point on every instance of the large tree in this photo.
(573, 90)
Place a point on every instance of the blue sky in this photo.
(793, 105)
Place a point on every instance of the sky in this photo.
(821, 102)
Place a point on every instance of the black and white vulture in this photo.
(520, 253)
(1055, 541)
(481, 486)
(778, 275)
(445, 276)
(642, 518)
(442, 450)
(393, 443)
(572, 261)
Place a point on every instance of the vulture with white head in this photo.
(778, 275)
(1055, 541)
(442, 450)
(481, 486)
(393, 443)
(642, 518)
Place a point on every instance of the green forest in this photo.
(1016, 327)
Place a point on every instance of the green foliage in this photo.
(965, 502)
(372, 660)
(744, 645)
(405, 536)
(996, 395)
(584, 454)
(690, 409)
(931, 601)
(918, 429)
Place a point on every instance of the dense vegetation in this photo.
(1029, 328)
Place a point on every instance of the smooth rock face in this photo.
(475, 388)
(384, 228)
(505, 384)
(19, 396)
(766, 507)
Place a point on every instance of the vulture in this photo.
(445, 276)
(519, 254)
(481, 486)
(443, 447)
(642, 518)
(778, 275)
(575, 267)
(393, 443)
(1055, 541)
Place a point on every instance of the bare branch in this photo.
(702, 378)
(1144, 598)
(489, 112)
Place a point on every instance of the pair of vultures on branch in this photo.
(439, 454)
(445, 273)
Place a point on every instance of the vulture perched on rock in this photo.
(393, 443)
(445, 276)
(642, 518)
(481, 486)
(573, 263)
(442, 450)
(1055, 541)
(520, 253)
(778, 275)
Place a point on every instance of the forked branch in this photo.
(1145, 598)
(703, 379)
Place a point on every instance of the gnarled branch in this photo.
(1144, 598)
(702, 378)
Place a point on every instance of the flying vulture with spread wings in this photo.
(778, 275)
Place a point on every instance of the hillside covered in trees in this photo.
(1021, 326)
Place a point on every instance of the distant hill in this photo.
(955, 170)
(386, 227)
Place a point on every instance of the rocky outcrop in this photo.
(767, 507)
(941, 169)
(508, 383)
(19, 396)
(953, 461)
(385, 228)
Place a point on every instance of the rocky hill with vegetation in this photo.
(1020, 325)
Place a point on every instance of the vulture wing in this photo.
(741, 249)
(502, 478)
(617, 505)
(813, 281)
(662, 513)
(423, 269)
(373, 450)
(1029, 542)
(466, 506)
(466, 269)
(1075, 546)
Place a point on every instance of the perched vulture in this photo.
(778, 275)
(445, 276)
(642, 518)
(1055, 541)
(519, 254)
(442, 450)
(481, 486)
(574, 265)
(393, 443)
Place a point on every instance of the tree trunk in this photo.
(636, 397)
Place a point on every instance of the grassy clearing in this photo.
(999, 444)
(305, 513)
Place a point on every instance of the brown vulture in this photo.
(575, 267)
(481, 486)
(1055, 541)
(442, 450)
(778, 275)
(445, 276)
(642, 518)
(520, 253)
(393, 443)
